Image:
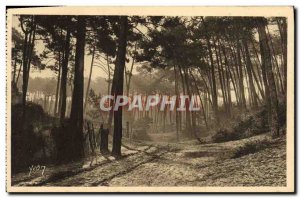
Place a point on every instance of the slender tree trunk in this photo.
(235, 77)
(221, 77)
(64, 74)
(275, 60)
(258, 66)
(15, 71)
(250, 77)
(24, 85)
(19, 72)
(267, 65)
(57, 85)
(176, 104)
(201, 102)
(119, 74)
(57, 106)
(205, 85)
(89, 81)
(284, 40)
(190, 114)
(187, 113)
(27, 54)
(228, 76)
(130, 72)
(109, 76)
(258, 83)
(241, 76)
(212, 71)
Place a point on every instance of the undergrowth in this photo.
(251, 147)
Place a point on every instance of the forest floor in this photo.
(187, 163)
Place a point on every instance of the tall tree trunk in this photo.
(64, 74)
(57, 86)
(190, 114)
(284, 39)
(76, 116)
(15, 71)
(89, 81)
(218, 59)
(201, 102)
(24, 85)
(187, 113)
(258, 65)
(130, 72)
(235, 76)
(250, 77)
(241, 76)
(176, 104)
(20, 68)
(275, 60)
(267, 65)
(205, 85)
(212, 71)
(228, 76)
(109, 75)
(27, 55)
(119, 75)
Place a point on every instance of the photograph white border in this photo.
(169, 11)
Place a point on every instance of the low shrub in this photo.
(251, 147)
(224, 135)
(250, 125)
(25, 138)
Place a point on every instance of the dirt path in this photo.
(180, 164)
(186, 168)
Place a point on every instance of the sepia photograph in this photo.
(150, 99)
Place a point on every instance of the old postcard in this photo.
(150, 99)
